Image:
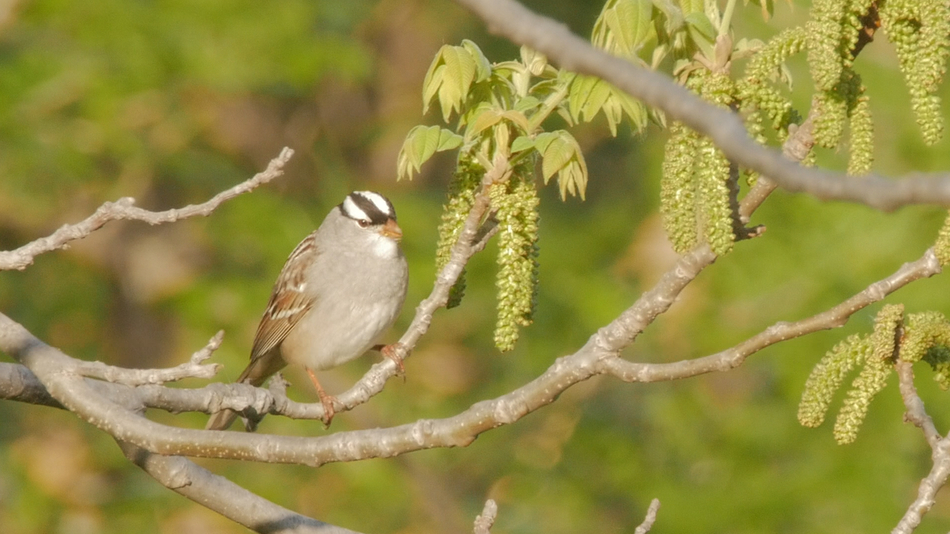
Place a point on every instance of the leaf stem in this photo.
(727, 17)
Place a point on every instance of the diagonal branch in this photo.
(510, 19)
(193, 368)
(124, 209)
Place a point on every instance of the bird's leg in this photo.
(325, 398)
(394, 352)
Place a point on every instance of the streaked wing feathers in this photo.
(289, 301)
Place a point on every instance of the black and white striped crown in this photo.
(368, 206)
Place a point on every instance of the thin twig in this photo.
(124, 209)
(650, 518)
(137, 377)
(940, 452)
(486, 519)
(735, 356)
(916, 413)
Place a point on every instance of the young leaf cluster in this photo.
(924, 337)
(501, 108)
(496, 109)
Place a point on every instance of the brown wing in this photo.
(288, 303)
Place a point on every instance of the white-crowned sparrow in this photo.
(340, 289)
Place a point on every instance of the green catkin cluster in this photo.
(759, 98)
(712, 170)
(924, 330)
(862, 137)
(833, 35)
(678, 189)
(827, 376)
(942, 246)
(713, 197)
(461, 199)
(516, 209)
(835, 106)
(926, 336)
(873, 377)
(825, 42)
(695, 194)
(920, 33)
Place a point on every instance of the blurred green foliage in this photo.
(171, 102)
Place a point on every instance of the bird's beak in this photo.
(391, 230)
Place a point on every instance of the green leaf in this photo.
(527, 103)
(543, 140)
(599, 93)
(557, 155)
(450, 92)
(517, 118)
(522, 143)
(432, 82)
(484, 120)
(424, 144)
(483, 68)
(634, 109)
(580, 91)
(420, 144)
(692, 6)
(561, 155)
(407, 162)
(702, 32)
(450, 76)
(449, 140)
(630, 23)
(700, 22)
(614, 114)
(573, 179)
(403, 167)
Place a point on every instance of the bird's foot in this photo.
(325, 398)
(395, 353)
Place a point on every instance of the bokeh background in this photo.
(171, 102)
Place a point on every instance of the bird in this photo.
(340, 289)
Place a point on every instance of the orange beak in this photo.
(391, 230)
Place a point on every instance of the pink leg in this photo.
(325, 398)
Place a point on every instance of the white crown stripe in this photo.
(351, 210)
(381, 203)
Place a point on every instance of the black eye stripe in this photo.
(365, 206)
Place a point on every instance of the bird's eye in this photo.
(363, 223)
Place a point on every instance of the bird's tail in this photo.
(221, 420)
(256, 373)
